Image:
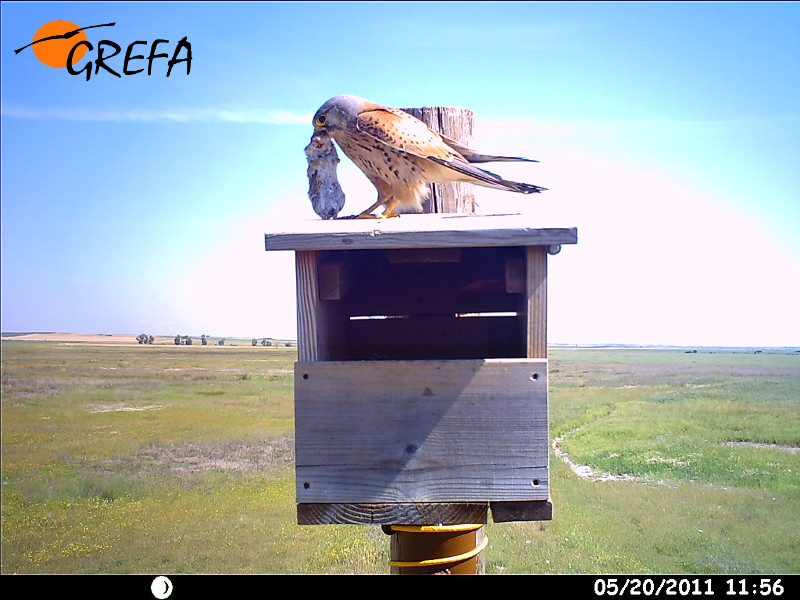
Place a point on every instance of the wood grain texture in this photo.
(311, 324)
(396, 513)
(334, 280)
(421, 431)
(537, 302)
(418, 231)
(455, 123)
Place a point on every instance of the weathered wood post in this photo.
(421, 380)
(455, 123)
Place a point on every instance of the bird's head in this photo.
(340, 112)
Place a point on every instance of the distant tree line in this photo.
(185, 340)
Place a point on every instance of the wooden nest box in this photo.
(421, 384)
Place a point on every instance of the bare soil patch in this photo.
(231, 456)
(585, 471)
(76, 338)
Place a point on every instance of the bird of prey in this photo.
(324, 191)
(400, 155)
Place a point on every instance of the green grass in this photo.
(707, 444)
(728, 419)
(169, 459)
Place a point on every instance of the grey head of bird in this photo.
(339, 113)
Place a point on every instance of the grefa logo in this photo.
(62, 44)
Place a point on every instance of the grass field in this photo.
(174, 459)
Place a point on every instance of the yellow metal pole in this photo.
(440, 550)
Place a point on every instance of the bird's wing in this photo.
(403, 132)
(474, 156)
(406, 133)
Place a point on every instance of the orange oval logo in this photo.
(53, 41)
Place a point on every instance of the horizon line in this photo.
(598, 345)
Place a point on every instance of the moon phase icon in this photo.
(161, 587)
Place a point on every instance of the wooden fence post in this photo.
(455, 123)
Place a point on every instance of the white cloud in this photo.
(184, 115)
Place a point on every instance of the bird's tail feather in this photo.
(516, 186)
(476, 157)
(512, 186)
(485, 178)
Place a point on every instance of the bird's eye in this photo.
(320, 120)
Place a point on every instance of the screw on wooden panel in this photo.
(306, 485)
(535, 482)
(305, 375)
(534, 376)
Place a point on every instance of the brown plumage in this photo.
(400, 155)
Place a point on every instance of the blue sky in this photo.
(668, 134)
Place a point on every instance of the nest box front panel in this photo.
(421, 431)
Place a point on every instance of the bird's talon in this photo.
(361, 216)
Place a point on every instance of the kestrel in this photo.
(324, 191)
(400, 155)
